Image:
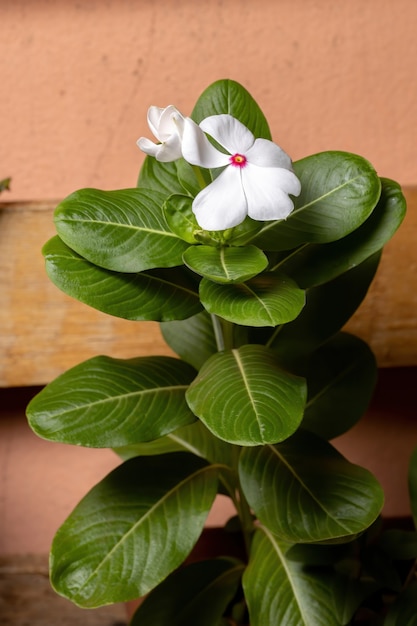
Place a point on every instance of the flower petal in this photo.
(228, 132)
(267, 189)
(222, 204)
(171, 123)
(148, 146)
(154, 118)
(169, 150)
(197, 150)
(166, 125)
(265, 153)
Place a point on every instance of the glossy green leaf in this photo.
(243, 397)
(412, 485)
(303, 490)
(281, 591)
(105, 402)
(159, 295)
(226, 264)
(339, 190)
(228, 96)
(338, 567)
(315, 264)
(196, 594)
(180, 218)
(194, 438)
(187, 177)
(192, 339)
(266, 300)
(160, 177)
(123, 230)
(328, 308)
(404, 610)
(341, 378)
(132, 529)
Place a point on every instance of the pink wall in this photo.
(78, 77)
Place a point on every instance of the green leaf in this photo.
(341, 378)
(228, 96)
(196, 594)
(404, 610)
(192, 339)
(180, 217)
(122, 230)
(132, 529)
(281, 591)
(412, 485)
(105, 402)
(328, 308)
(159, 295)
(303, 490)
(187, 177)
(243, 397)
(315, 264)
(160, 177)
(339, 191)
(226, 264)
(194, 438)
(266, 300)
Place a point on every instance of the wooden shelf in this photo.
(43, 332)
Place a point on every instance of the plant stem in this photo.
(203, 176)
(218, 333)
(246, 519)
(224, 333)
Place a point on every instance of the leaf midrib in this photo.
(287, 571)
(307, 489)
(141, 520)
(153, 231)
(270, 225)
(119, 397)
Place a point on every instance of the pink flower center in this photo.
(238, 160)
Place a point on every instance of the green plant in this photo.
(264, 378)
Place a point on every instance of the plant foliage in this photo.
(264, 377)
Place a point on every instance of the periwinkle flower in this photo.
(256, 180)
(166, 125)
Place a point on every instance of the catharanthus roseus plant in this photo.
(252, 264)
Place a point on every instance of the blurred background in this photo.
(78, 77)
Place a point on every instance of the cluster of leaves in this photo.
(264, 378)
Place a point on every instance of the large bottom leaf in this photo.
(132, 529)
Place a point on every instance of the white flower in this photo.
(256, 180)
(167, 126)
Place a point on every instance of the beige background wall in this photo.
(78, 76)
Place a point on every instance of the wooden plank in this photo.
(26, 597)
(43, 331)
(387, 319)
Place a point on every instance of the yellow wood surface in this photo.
(43, 332)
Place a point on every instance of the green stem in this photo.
(224, 333)
(218, 332)
(228, 334)
(203, 176)
(246, 519)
